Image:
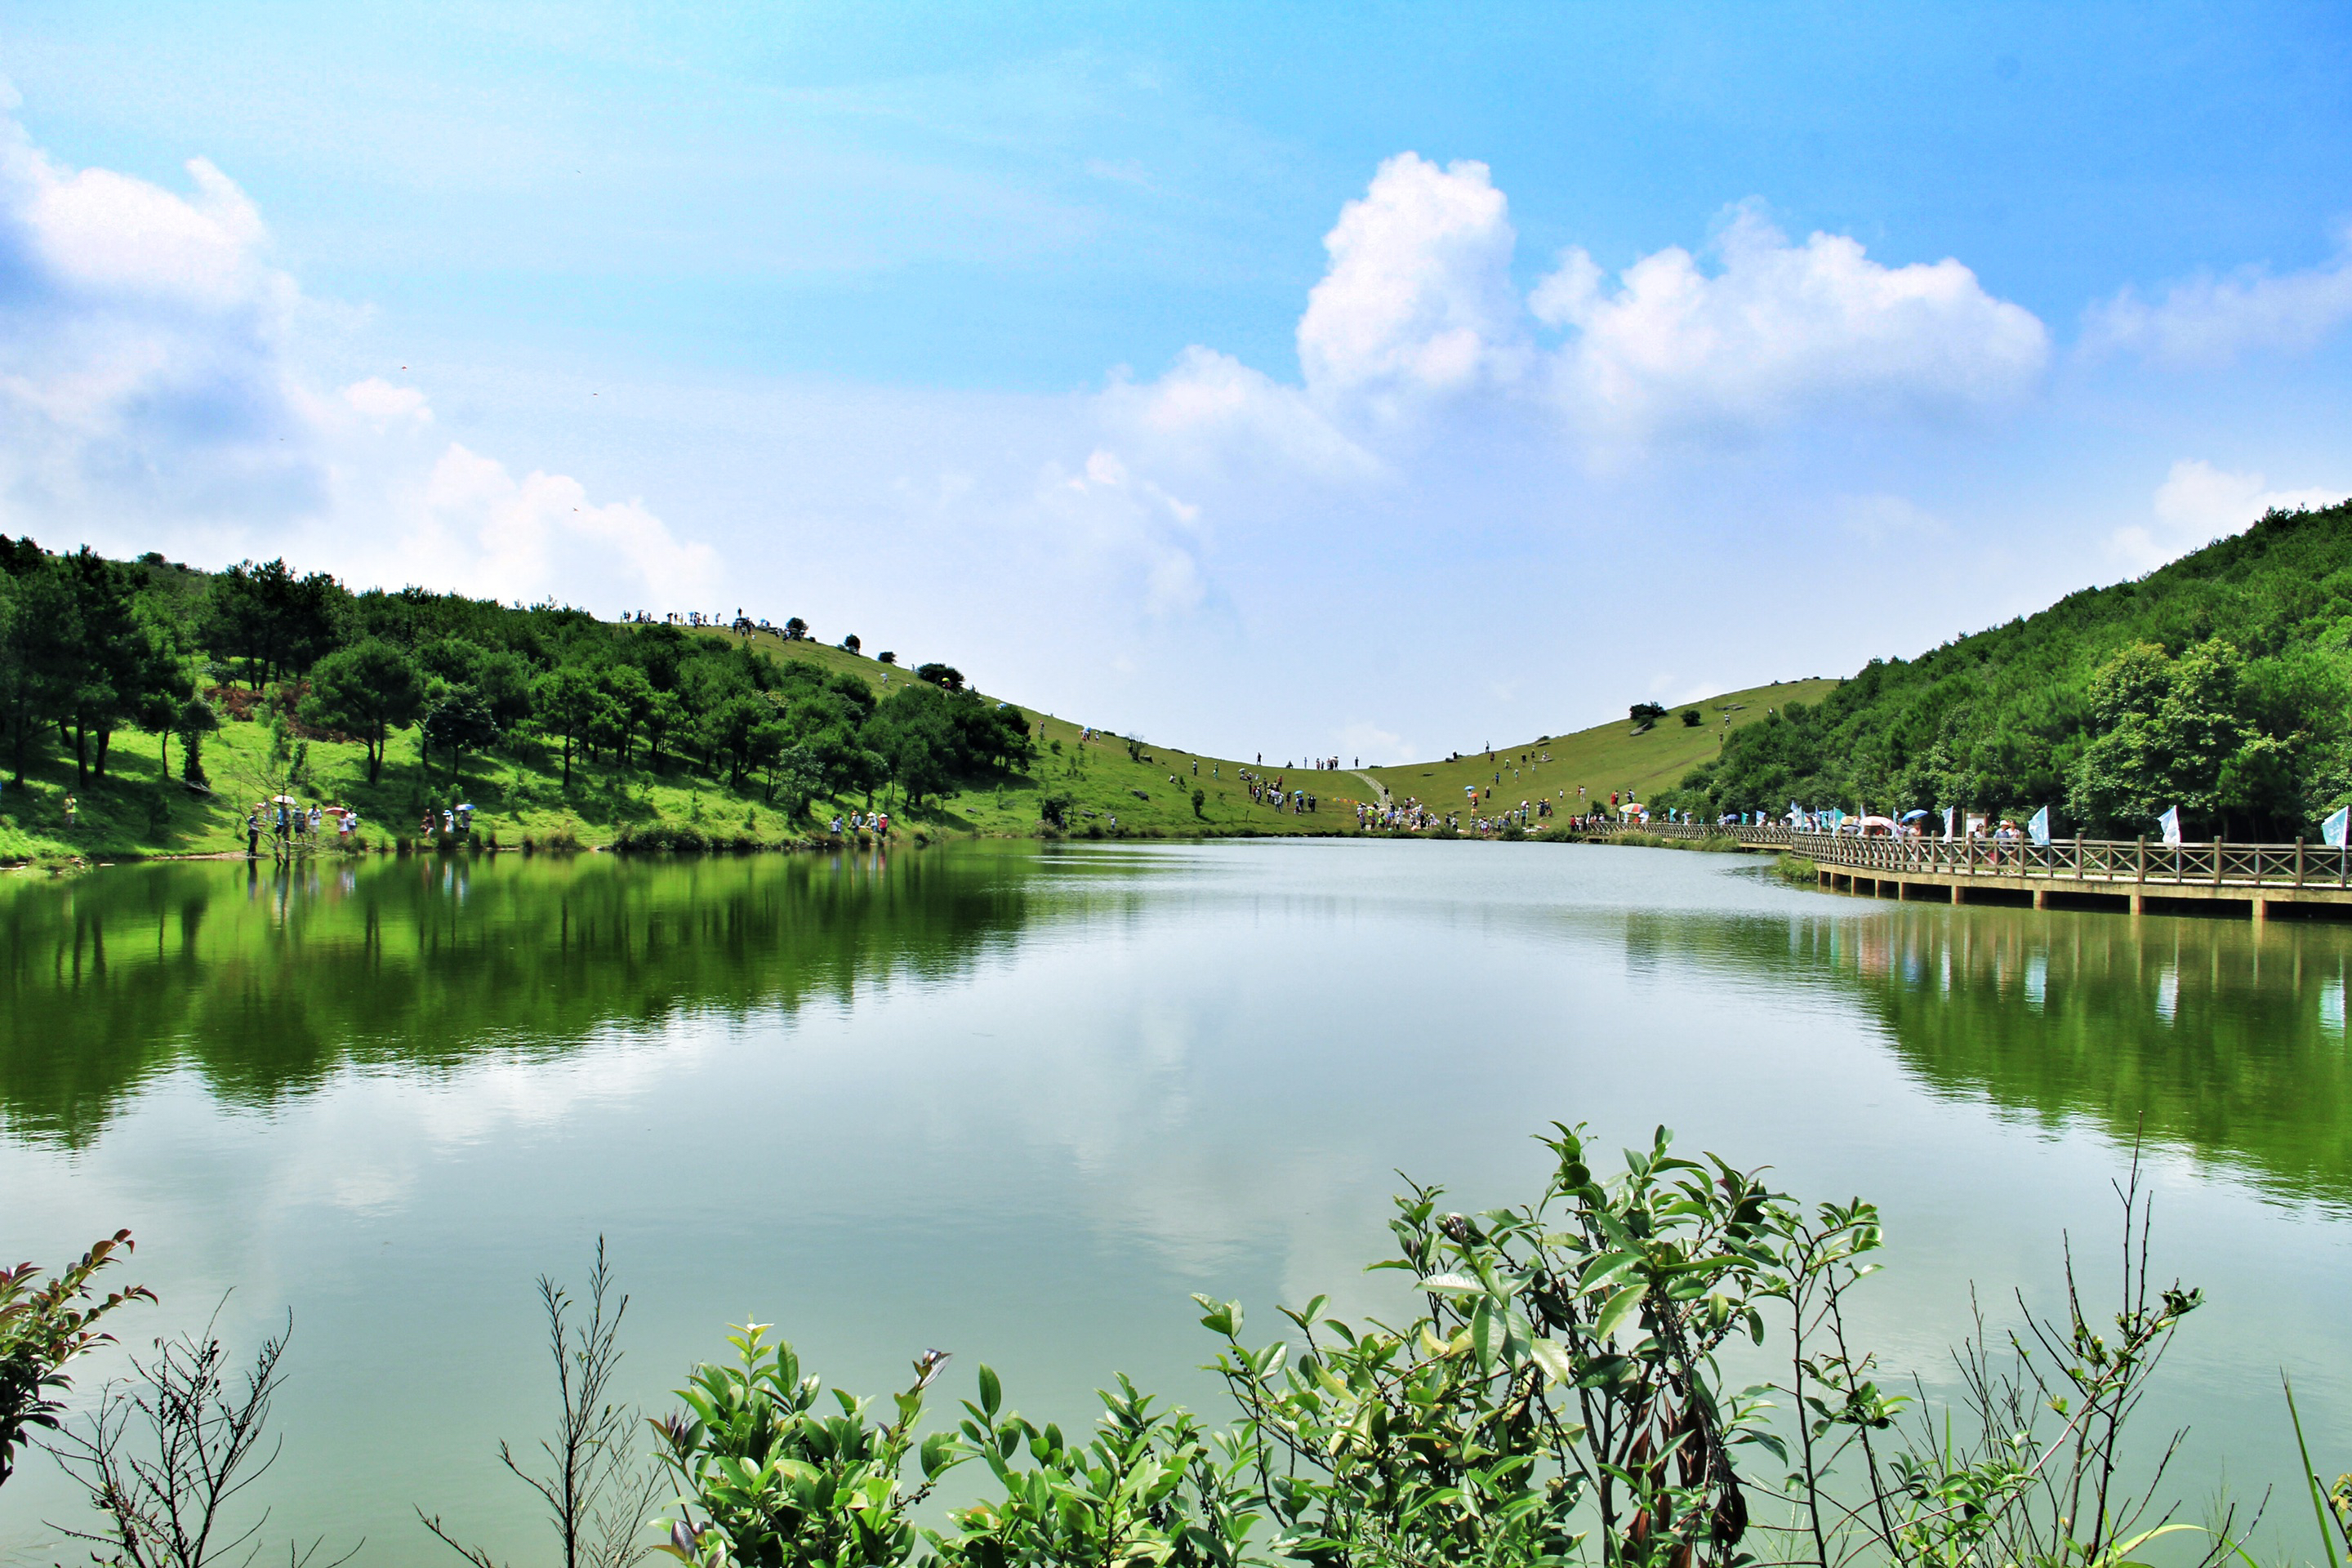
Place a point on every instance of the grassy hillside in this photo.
(518, 791)
(1606, 757)
(2221, 684)
(566, 729)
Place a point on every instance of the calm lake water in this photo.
(1019, 1102)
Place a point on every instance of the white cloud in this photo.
(1210, 406)
(380, 401)
(1881, 519)
(151, 395)
(2208, 321)
(1383, 747)
(1129, 525)
(2198, 503)
(483, 531)
(1416, 313)
(1417, 301)
(1777, 333)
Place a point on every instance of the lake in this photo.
(1019, 1101)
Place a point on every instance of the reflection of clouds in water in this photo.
(370, 1136)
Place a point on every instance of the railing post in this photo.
(2139, 873)
(2217, 859)
(2298, 860)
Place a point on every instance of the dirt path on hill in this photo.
(1380, 791)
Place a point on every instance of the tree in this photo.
(663, 714)
(278, 623)
(504, 680)
(1645, 714)
(851, 644)
(368, 689)
(196, 721)
(569, 704)
(459, 721)
(727, 732)
(945, 675)
(631, 696)
(1199, 798)
(917, 739)
(887, 657)
(795, 629)
(1054, 806)
(42, 661)
(2176, 731)
(115, 660)
(1692, 718)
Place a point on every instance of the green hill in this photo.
(108, 670)
(2221, 684)
(1618, 756)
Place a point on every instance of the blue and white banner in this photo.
(2039, 828)
(2333, 828)
(1950, 812)
(2171, 823)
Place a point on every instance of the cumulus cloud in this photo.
(152, 393)
(1128, 525)
(1775, 333)
(496, 531)
(1417, 301)
(141, 345)
(2208, 321)
(2198, 503)
(1416, 315)
(1210, 404)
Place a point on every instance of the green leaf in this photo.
(1621, 1305)
(1452, 1285)
(991, 1392)
(1552, 1357)
(1486, 1333)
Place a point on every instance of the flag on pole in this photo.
(1949, 812)
(2171, 823)
(2333, 828)
(2039, 828)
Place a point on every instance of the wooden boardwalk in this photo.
(2133, 874)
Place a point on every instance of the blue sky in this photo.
(1356, 379)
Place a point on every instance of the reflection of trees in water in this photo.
(266, 982)
(2229, 1044)
(2232, 1045)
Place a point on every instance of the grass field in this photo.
(1604, 758)
(518, 791)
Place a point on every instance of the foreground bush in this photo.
(1559, 1398)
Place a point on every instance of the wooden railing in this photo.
(2218, 865)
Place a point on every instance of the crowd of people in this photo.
(293, 828)
(1274, 791)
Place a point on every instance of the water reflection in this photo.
(2217, 1037)
(268, 981)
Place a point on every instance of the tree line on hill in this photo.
(90, 647)
(2221, 684)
